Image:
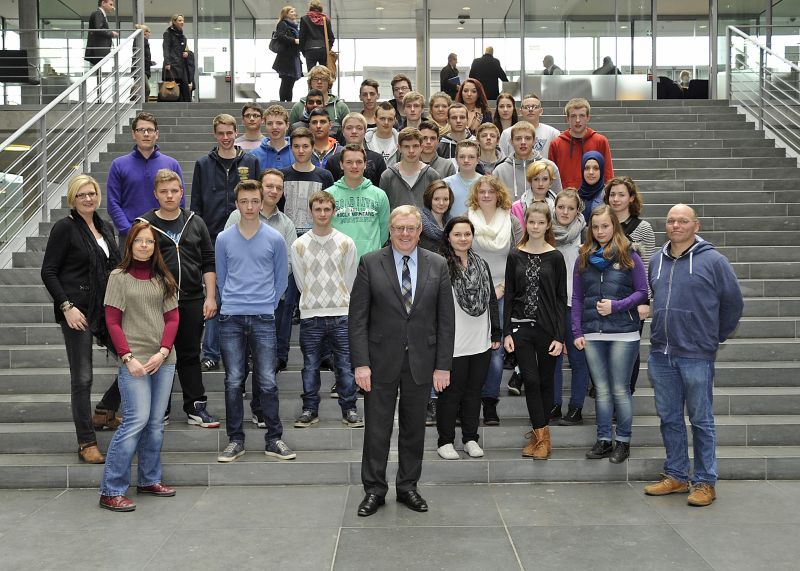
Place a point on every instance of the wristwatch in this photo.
(164, 353)
(127, 358)
(66, 306)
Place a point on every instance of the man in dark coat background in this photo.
(448, 77)
(98, 42)
(488, 71)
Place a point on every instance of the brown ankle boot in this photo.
(90, 454)
(542, 449)
(530, 447)
(102, 419)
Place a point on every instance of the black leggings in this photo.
(531, 346)
(286, 88)
(464, 392)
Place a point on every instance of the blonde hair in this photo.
(406, 210)
(522, 126)
(223, 119)
(175, 17)
(142, 27)
(354, 116)
(414, 96)
(577, 103)
(284, 11)
(166, 175)
(79, 182)
(486, 127)
(537, 167)
(618, 248)
(320, 72)
(503, 196)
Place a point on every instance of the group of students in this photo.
(281, 221)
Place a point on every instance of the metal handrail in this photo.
(63, 139)
(773, 100)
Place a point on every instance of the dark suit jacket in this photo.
(98, 42)
(444, 81)
(379, 328)
(488, 71)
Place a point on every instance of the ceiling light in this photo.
(623, 27)
(466, 8)
(17, 148)
(460, 28)
(703, 27)
(542, 27)
(379, 8)
(381, 28)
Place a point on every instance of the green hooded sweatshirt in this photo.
(362, 214)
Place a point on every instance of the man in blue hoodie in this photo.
(696, 305)
(274, 152)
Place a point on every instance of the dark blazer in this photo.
(312, 36)
(98, 42)
(380, 330)
(287, 61)
(173, 46)
(445, 84)
(488, 71)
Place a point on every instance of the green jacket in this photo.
(362, 214)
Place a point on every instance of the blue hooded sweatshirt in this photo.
(696, 303)
(269, 158)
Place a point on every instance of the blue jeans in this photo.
(578, 368)
(283, 318)
(679, 380)
(313, 333)
(237, 333)
(610, 363)
(491, 386)
(210, 346)
(144, 400)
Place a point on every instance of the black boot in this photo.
(601, 449)
(430, 414)
(555, 414)
(509, 361)
(572, 418)
(621, 452)
(515, 384)
(490, 417)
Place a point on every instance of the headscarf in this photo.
(588, 192)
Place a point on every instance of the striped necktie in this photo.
(405, 286)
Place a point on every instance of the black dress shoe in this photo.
(370, 504)
(413, 500)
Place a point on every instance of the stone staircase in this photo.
(746, 193)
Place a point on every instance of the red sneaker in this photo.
(117, 503)
(156, 490)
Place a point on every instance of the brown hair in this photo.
(321, 196)
(427, 198)
(514, 116)
(409, 133)
(247, 185)
(265, 172)
(400, 77)
(301, 133)
(620, 245)
(354, 148)
(158, 268)
(503, 197)
(223, 119)
(166, 175)
(538, 207)
(253, 106)
(279, 110)
(636, 206)
(577, 103)
(144, 116)
(482, 103)
(570, 193)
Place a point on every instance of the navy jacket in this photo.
(213, 187)
(696, 302)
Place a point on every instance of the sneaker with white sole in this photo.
(448, 452)
(279, 450)
(352, 419)
(200, 416)
(232, 452)
(471, 447)
(259, 420)
(306, 419)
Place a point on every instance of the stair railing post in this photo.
(84, 127)
(761, 78)
(117, 128)
(728, 67)
(43, 163)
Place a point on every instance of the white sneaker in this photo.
(472, 448)
(447, 452)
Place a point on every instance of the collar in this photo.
(398, 257)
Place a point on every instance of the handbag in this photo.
(330, 60)
(169, 90)
(274, 44)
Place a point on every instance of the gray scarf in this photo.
(567, 234)
(472, 284)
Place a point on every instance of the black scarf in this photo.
(471, 286)
(99, 268)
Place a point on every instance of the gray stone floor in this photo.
(752, 525)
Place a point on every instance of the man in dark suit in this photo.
(98, 42)
(448, 77)
(401, 329)
(488, 71)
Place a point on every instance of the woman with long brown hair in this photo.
(142, 317)
(505, 112)
(472, 95)
(609, 283)
(533, 324)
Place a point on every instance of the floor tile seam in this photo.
(692, 547)
(164, 540)
(339, 530)
(419, 526)
(651, 506)
(507, 531)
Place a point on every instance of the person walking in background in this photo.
(488, 71)
(608, 68)
(287, 61)
(81, 252)
(697, 304)
(175, 50)
(609, 283)
(148, 60)
(100, 37)
(477, 333)
(141, 310)
(448, 77)
(312, 35)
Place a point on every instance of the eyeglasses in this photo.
(401, 88)
(146, 131)
(253, 116)
(405, 229)
(531, 107)
(83, 195)
(140, 241)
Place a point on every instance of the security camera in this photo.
(461, 22)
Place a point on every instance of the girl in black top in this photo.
(81, 252)
(536, 304)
